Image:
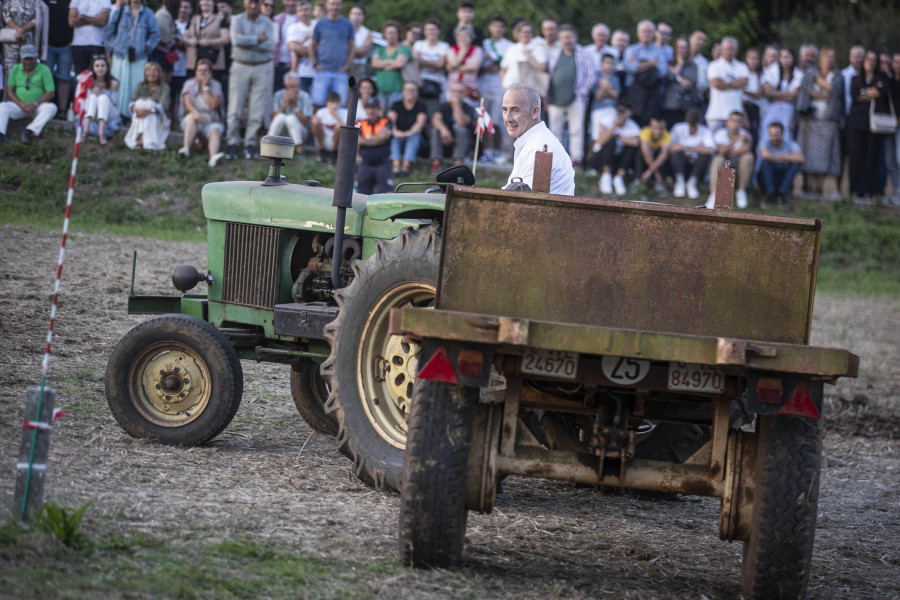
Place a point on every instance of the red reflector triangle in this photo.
(438, 368)
(800, 404)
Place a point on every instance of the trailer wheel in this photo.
(370, 371)
(174, 379)
(310, 392)
(432, 501)
(777, 558)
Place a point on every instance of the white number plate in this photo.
(550, 363)
(690, 377)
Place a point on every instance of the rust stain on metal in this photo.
(513, 331)
(725, 187)
(731, 352)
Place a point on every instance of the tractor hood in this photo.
(296, 206)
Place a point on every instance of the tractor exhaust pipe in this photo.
(343, 183)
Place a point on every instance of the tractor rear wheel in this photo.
(778, 556)
(310, 392)
(175, 379)
(432, 501)
(371, 372)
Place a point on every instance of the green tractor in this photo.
(290, 280)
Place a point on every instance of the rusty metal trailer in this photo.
(621, 344)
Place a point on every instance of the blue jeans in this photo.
(778, 177)
(408, 148)
(59, 61)
(329, 81)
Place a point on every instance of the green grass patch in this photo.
(38, 566)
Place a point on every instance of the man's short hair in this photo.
(289, 76)
(467, 4)
(333, 97)
(736, 112)
(523, 23)
(498, 19)
(568, 27)
(531, 94)
(433, 22)
(731, 38)
(777, 125)
(606, 55)
(645, 22)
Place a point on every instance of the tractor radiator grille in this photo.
(251, 265)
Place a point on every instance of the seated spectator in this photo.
(102, 103)
(463, 62)
(430, 53)
(572, 78)
(408, 118)
(606, 95)
(326, 127)
(452, 128)
(202, 103)
(692, 148)
(680, 83)
(734, 144)
(149, 110)
(29, 91)
(653, 159)
(388, 62)
(291, 110)
(615, 148)
(373, 169)
(367, 89)
(781, 160)
(820, 106)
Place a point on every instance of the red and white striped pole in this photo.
(35, 424)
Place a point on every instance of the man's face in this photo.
(729, 50)
(465, 15)
(304, 12)
(224, 7)
(292, 88)
(568, 40)
(517, 115)
(656, 128)
(808, 56)
(697, 40)
(734, 124)
(252, 8)
(497, 29)
(333, 9)
(607, 64)
(856, 57)
(29, 64)
(645, 34)
(663, 34)
(526, 34)
(600, 36)
(184, 10)
(373, 113)
(290, 6)
(267, 7)
(775, 136)
(620, 41)
(895, 62)
(550, 31)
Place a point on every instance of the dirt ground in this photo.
(268, 477)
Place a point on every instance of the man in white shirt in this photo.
(615, 148)
(600, 38)
(88, 18)
(522, 117)
(362, 41)
(299, 35)
(727, 78)
(734, 144)
(692, 148)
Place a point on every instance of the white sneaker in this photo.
(606, 184)
(711, 202)
(215, 158)
(619, 185)
(184, 152)
(740, 198)
(678, 192)
(692, 191)
(501, 160)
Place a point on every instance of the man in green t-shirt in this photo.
(30, 90)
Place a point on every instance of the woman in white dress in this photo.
(149, 106)
(780, 84)
(102, 104)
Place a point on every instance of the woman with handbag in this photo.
(820, 107)
(133, 33)
(206, 37)
(23, 23)
(464, 61)
(870, 94)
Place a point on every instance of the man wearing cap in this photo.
(374, 162)
(30, 90)
(522, 117)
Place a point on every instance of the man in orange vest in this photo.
(373, 169)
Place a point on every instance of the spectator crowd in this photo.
(655, 109)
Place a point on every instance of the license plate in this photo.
(550, 363)
(690, 377)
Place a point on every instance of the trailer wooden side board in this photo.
(628, 265)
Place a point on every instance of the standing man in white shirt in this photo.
(299, 36)
(522, 117)
(88, 18)
(727, 78)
